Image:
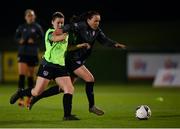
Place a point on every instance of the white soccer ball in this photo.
(143, 112)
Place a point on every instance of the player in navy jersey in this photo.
(28, 36)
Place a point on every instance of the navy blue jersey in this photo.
(82, 33)
(29, 31)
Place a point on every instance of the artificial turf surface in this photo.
(119, 102)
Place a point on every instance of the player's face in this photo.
(58, 23)
(94, 21)
(30, 17)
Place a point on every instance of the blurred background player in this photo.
(28, 35)
(83, 32)
(53, 67)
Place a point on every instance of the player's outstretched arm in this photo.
(119, 45)
(104, 40)
(78, 46)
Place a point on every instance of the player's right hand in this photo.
(30, 41)
(84, 45)
(62, 36)
(21, 41)
(58, 32)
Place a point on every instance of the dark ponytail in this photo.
(83, 16)
(90, 14)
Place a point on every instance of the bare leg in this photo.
(86, 75)
(31, 71)
(41, 84)
(66, 84)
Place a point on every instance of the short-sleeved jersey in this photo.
(55, 51)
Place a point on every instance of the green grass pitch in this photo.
(119, 102)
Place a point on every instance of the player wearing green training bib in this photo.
(53, 64)
(55, 51)
(53, 67)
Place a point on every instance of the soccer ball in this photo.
(143, 112)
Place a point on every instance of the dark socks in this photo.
(30, 82)
(54, 90)
(90, 93)
(21, 82)
(26, 92)
(67, 104)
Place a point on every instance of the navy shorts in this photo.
(31, 61)
(72, 65)
(52, 71)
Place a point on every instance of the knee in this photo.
(69, 89)
(89, 78)
(35, 92)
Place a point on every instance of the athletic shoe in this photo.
(27, 101)
(15, 97)
(21, 102)
(71, 117)
(32, 102)
(96, 111)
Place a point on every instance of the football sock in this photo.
(21, 82)
(30, 82)
(54, 90)
(90, 93)
(26, 92)
(67, 104)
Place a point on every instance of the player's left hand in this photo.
(58, 32)
(84, 45)
(30, 41)
(118, 45)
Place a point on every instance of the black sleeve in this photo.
(40, 31)
(105, 40)
(74, 27)
(66, 28)
(18, 34)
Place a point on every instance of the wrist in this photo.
(78, 45)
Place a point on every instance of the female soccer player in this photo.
(53, 67)
(85, 32)
(28, 36)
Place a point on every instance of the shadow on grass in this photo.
(29, 123)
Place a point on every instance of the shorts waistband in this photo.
(45, 62)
